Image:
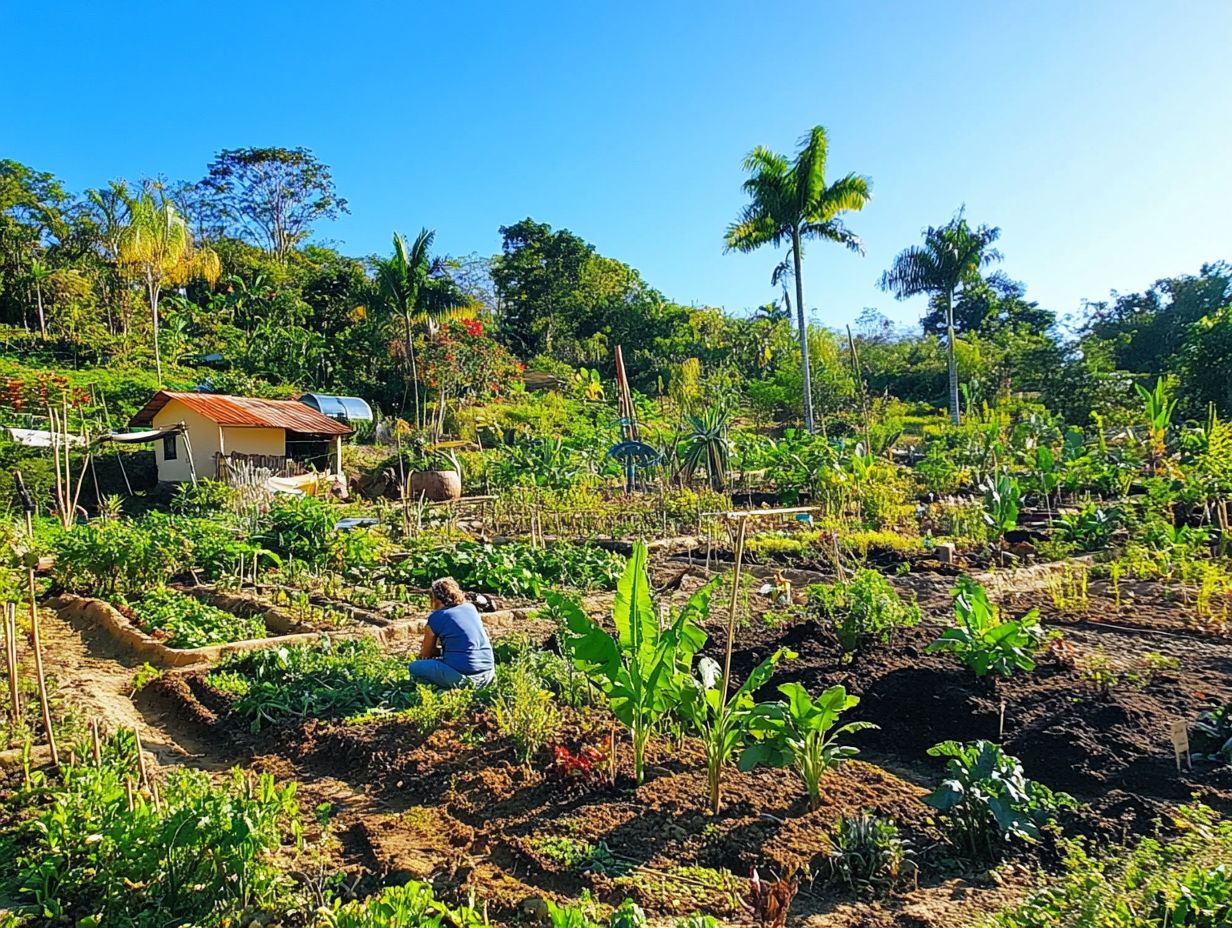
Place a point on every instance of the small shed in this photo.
(209, 435)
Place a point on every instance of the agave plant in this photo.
(709, 446)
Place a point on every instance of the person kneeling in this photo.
(456, 630)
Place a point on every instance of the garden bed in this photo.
(1109, 746)
(470, 817)
(283, 632)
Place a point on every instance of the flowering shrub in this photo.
(462, 361)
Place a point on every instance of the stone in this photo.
(947, 553)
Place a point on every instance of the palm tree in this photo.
(156, 242)
(39, 275)
(417, 287)
(951, 257)
(789, 201)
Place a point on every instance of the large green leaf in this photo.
(636, 624)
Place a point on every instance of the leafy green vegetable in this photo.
(801, 733)
(182, 621)
(982, 642)
(513, 569)
(986, 797)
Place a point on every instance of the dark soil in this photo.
(1109, 747)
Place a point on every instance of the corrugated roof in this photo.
(246, 411)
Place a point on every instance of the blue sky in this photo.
(1095, 133)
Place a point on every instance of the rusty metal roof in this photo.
(246, 412)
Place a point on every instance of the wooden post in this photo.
(145, 776)
(96, 742)
(38, 669)
(731, 615)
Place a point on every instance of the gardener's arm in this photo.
(428, 648)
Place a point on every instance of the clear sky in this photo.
(1095, 133)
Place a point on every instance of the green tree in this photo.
(989, 306)
(156, 243)
(416, 287)
(789, 201)
(1205, 363)
(270, 195)
(32, 208)
(952, 257)
(538, 278)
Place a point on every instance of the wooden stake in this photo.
(145, 776)
(731, 615)
(10, 655)
(96, 742)
(38, 670)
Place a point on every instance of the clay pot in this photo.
(437, 486)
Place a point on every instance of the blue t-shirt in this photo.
(464, 641)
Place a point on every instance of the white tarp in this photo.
(141, 438)
(35, 438)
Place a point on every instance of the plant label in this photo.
(1179, 732)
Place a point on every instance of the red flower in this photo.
(474, 328)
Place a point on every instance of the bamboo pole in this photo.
(141, 768)
(36, 644)
(10, 656)
(731, 615)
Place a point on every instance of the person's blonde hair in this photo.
(447, 592)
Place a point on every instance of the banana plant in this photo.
(723, 723)
(643, 670)
(1158, 407)
(801, 733)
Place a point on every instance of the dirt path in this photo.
(96, 677)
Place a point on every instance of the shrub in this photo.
(986, 800)
(108, 556)
(525, 712)
(89, 852)
(982, 642)
(865, 608)
(300, 527)
(1181, 880)
(203, 498)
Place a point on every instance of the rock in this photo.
(535, 907)
(947, 553)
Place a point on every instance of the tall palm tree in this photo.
(416, 286)
(157, 244)
(951, 257)
(789, 201)
(39, 275)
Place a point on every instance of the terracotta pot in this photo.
(436, 485)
